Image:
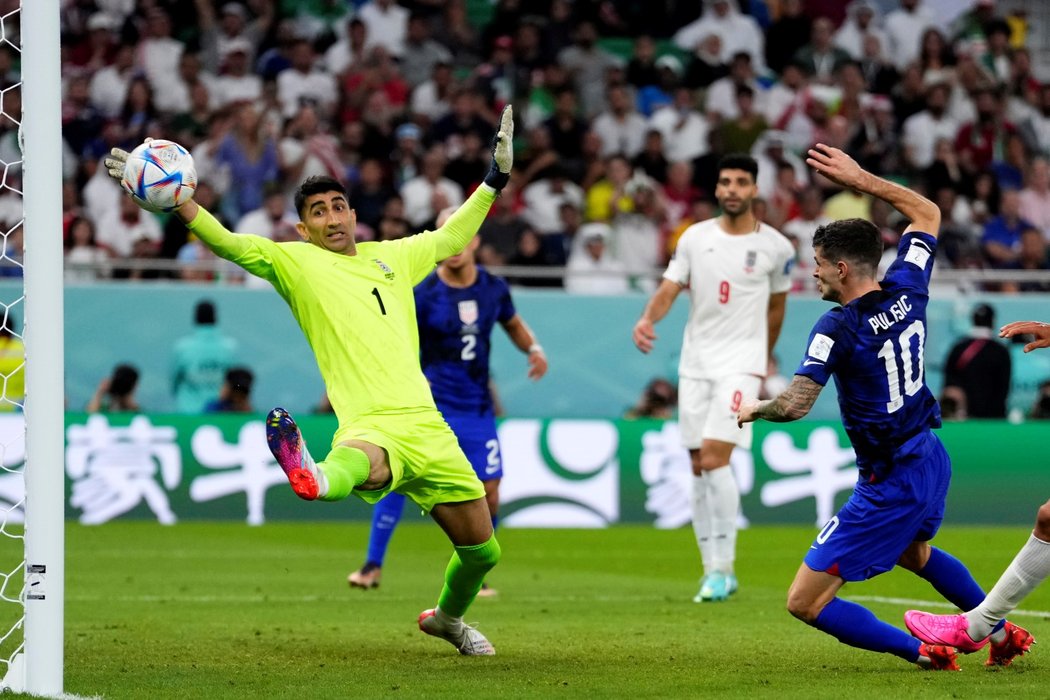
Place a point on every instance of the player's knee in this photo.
(484, 557)
(709, 461)
(1042, 522)
(801, 607)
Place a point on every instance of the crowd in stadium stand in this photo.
(624, 108)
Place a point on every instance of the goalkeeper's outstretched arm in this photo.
(454, 236)
(206, 227)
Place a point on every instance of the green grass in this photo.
(208, 610)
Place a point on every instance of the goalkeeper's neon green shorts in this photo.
(426, 462)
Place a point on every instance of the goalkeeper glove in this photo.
(502, 151)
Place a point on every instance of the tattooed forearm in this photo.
(792, 403)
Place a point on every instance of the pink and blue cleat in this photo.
(946, 630)
(286, 444)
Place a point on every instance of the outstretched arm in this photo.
(835, 165)
(792, 403)
(1041, 331)
(463, 225)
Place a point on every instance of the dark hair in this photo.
(854, 240)
(124, 379)
(316, 184)
(204, 314)
(983, 316)
(739, 161)
(240, 379)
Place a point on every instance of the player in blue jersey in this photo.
(872, 345)
(457, 307)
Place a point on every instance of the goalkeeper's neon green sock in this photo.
(344, 468)
(464, 575)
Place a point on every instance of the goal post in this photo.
(41, 138)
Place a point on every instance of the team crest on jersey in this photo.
(468, 311)
(387, 272)
(749, 262)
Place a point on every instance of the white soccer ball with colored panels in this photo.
(160, 175)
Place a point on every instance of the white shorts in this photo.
(707, 409)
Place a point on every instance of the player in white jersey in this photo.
(737, 271)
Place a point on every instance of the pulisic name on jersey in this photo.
(898, 311)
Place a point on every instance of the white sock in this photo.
(1026, 571)
(447, 621)
(723, 497)
(702, 522)
(311, 466)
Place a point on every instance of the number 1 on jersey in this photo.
(375, 293)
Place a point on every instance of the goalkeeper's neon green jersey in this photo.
(358, 311)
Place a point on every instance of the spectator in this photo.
(820, 58)
(787, 34)
(587, 64)
(543, 198)
(979, 140)
(1036, 129)
(904, 28)
(158, 51)
(921, 131)
(738, 32)
(501, 230)
(303, 82)
(608, 196)
(430, 191)
(1031, 257)
(659, 400)
(591, 268)
(980, 366)
(250, 155)
(432, 99)
(270, 218)
(683, 128)
(740, 132)
(387, 25)
(119, 231)
(200, 361)
(802, 228)
(108, 86)
(861, 22)
(235, 82)
(421, 52)
(370, 193)
(620, 127)
(651, 160)
(349, 51)
(638, 230)
(530, 253)
(85, 259)
(721, 100)
(1001, 240)
(235, 393)
(116, 393)
(1035, 198)
(705, 63)
(230, 25)
(936, 57)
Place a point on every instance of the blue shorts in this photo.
(878, 522)
(479, 442)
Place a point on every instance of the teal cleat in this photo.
(713, 587)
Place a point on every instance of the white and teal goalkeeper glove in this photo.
(502, 151)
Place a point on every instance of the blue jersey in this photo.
(873, 346)
(455, 338)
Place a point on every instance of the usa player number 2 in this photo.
(911, 381)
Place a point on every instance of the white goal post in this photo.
(39, 668)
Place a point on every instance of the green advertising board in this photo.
(557, 472)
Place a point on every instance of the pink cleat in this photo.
(286, 444)
(946, 630)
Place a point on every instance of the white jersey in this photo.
(730, 278)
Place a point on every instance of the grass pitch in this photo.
(208, 610)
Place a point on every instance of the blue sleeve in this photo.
(914, 263)
(827, 347)
(506, 304)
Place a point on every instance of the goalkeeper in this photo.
(354, 302)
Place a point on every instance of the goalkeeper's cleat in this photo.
(1017, 642)
(949, 630)
(731, 584)
(465, 638)
(288, 448)
(938, 657)
(713, 587)
(366, 577)
(487, 592)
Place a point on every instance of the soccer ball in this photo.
(160, 175)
